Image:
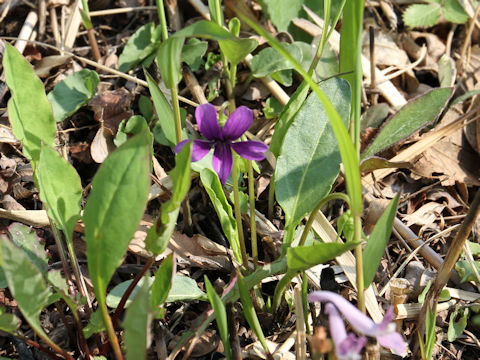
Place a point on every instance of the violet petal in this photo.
(360, 322)
(207, 121)
(250, 150)
(346, 346)
(237, 123)
(393, 341)
(180, 146)
(222, 161)
(200, 149)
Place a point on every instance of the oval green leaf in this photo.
(309, 159)
(115, 207)
(30, 112)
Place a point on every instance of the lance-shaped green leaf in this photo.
(249, 311)
(137, 322)
(72, 93)
(159, 234)
(163, 109)
(141, 45)
(302, 258)
(214, 189)
(169, 60)
(220, 316)
(29, 111)
(269, 60)
(163, 282)
(25, 282)
(234, 48)
(416, 114)
(114, 209)
(309, 159)
(378, 240)
(60, 189)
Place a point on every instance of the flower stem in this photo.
(253, 224)
(162, 19)
(238, 213)
(357, 223)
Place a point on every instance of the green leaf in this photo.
(235, 49)
(447, 71)
(136, 124)
(169, 60)
(193, 52)
(457, 323)
(287, 116)
(220, 316)
(183, 289)
(212, 7)
(9, 323)
(146, 108)
(159, 234)
(31, 244)
(272, 108)
(474, 247)
(281, 13)
(430, 331)
(163, 282)
(25, 282)
(249, 311)
(310, 160)
(212, 185)
(141, 44)
(465, 96)
(416, 114)
(60, 190)
(29, 111)
(269, 60)
(137, 322)
(466, 271)
(116, 294)
(95, 325)
(284, 77)
(453, 11)
(377, 242)
(302, 258)
(114, 209)
(345, 225)
(164, 110)
(422, 15)
(72, 93)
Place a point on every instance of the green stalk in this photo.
(357, 228)
(253, 224)
(238, 214)
(176, 114)
(162, 19)
(112, 337)
(271, 197)
(322, 202)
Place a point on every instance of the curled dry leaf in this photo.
(44, 66)
(425, 215)
(111, 107)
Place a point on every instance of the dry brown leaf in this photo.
(7, 137)
(111, 107)
(425, 215)
(102, 145)
(7, 166)
(10, 204)
(43, 67)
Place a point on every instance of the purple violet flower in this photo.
(385, 332)
(347, 346)
(222, 139)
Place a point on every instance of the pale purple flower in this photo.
(347, 346)
(385, 332)
(222, 139)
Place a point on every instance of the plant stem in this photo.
(271, 197)
(238, 214)
(61, 251)
(176, 114)
(322, 202)
(357, 228)
(253, 224)
(128, 292)
(162, 19)
(112, 337)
